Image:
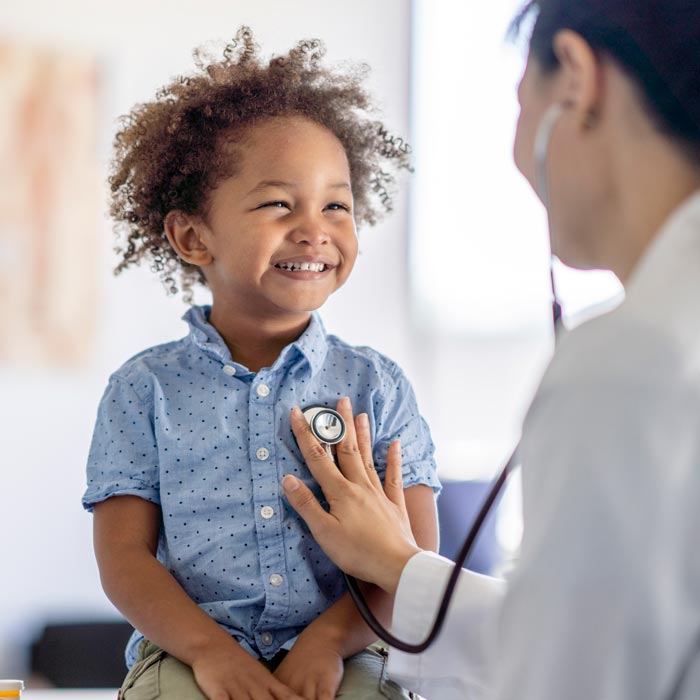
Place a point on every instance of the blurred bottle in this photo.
(11, 689)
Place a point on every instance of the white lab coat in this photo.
(605, 601)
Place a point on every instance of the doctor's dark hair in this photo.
(171, 152)
(654, 41)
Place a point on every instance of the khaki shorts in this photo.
(156, 674)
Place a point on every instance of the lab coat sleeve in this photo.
(458, 666)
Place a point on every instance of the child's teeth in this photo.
(304, 266)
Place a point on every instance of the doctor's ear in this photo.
(580, 76)
(184, 235)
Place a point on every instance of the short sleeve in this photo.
(123, 458)
(397, 417)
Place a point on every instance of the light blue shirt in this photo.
(209, 441)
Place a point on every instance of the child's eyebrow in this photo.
(264, 184)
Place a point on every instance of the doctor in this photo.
(605, 602)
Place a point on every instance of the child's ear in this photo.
(183, 234)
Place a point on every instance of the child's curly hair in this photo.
(169, 155)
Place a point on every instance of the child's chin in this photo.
(307, 305)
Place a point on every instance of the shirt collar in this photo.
(312, 344)
(204, 335)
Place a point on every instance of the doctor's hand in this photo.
(367, 531)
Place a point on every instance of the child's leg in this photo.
(156, 674)
(365, 677)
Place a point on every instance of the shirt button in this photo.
(262, 453)
(262, 390)
(266, 638)
(267, 512)
(230, 370)
(276, 580)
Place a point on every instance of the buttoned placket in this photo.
(237, 445)
(268, 521)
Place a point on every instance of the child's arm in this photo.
(126, 536)
(340, 631)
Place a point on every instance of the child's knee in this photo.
(156, 674)
(366, 677)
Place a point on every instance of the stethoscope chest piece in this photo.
(327, 425)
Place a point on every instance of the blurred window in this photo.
(479, 251)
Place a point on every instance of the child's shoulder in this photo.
(154, 361)
(362, 354)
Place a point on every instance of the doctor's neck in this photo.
(654, 178)
(644, 207)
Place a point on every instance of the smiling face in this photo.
(280, 233)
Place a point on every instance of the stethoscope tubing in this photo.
(382, 632)
(486, 507)
(464, 553)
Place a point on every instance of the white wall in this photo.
(46, 414)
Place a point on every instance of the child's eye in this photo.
(338, 206)
(276, 204)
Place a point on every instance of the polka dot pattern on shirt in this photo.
(176, 429)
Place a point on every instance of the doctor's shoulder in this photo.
(615, 353)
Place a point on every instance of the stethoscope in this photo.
(328, 426)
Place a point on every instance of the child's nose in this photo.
(311, 230)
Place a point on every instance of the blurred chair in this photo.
(81, 655)
(457, 507)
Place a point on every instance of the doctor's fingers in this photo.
(364, 442)
(304, 502)
(393, 478)
(322, 468)
(352, 461)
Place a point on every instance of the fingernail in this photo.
(290, 483)
(345, 402)
(363, 420)
(296, 412)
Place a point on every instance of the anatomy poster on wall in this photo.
(49, 203)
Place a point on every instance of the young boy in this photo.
(248, 178)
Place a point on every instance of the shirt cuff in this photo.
(91, 498)
(424, 575)
(458, 664)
